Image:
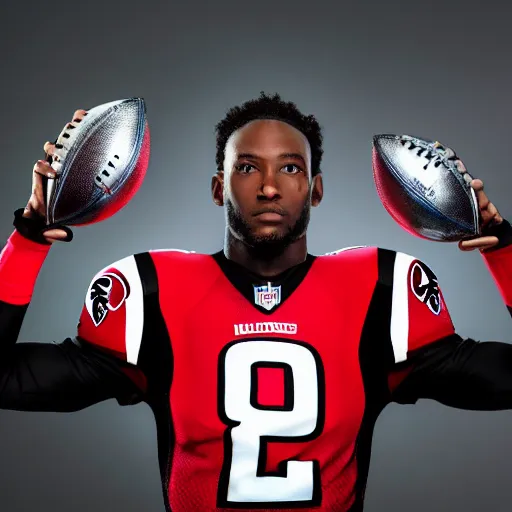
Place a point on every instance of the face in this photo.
(266, 185)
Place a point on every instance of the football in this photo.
(100, 164)
(425, 188)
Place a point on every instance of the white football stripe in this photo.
(134, 308)
(400, 307)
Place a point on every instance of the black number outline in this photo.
(222, 489)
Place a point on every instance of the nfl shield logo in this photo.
(267, 296)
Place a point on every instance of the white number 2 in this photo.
(251, 427)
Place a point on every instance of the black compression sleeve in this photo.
(65, 376)
(61, 377)
(11, 318)
(461, 373)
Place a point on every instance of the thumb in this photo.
(484, 242)
(52, 235)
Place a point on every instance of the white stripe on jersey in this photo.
(184, 251)
(134, 307)
(400, 307)
(334, 253)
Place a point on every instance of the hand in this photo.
(36, 203)
(489, 216)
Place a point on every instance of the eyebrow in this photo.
(297, 156)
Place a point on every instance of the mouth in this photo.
(270, 215)
(278, 211)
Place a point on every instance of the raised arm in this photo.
(432, 361)
(64, 376)
(77, 372)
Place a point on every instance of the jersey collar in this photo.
(265, 294)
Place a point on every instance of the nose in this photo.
(269, 185)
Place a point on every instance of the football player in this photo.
(263, 398)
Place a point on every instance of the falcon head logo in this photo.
(425, 286)
(106, 293)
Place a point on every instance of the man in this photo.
(266, 367)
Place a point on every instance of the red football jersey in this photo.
(265, 392)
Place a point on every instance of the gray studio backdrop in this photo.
(436, 69)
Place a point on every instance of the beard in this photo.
(271, 245)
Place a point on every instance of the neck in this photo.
(268, 264)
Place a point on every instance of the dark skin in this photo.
(267, 184)
(277, 176)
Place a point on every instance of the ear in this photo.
(317, 190)
(218, 188)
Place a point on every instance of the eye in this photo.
(291, 169)
(244, 168)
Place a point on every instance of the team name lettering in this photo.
(265, 328)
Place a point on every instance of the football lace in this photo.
(435, 153)
(63, 144)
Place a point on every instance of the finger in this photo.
(35, 206)
(460, 166)
(29, 212)
(53, 235)
(79, 115)
(36, 201)
(52, 150)
(483, 242)
(478, 186)
(487, 214)
(49, 148)
(491, 216)
(488, 211)
(42, 168)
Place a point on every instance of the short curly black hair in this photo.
(270, 107)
